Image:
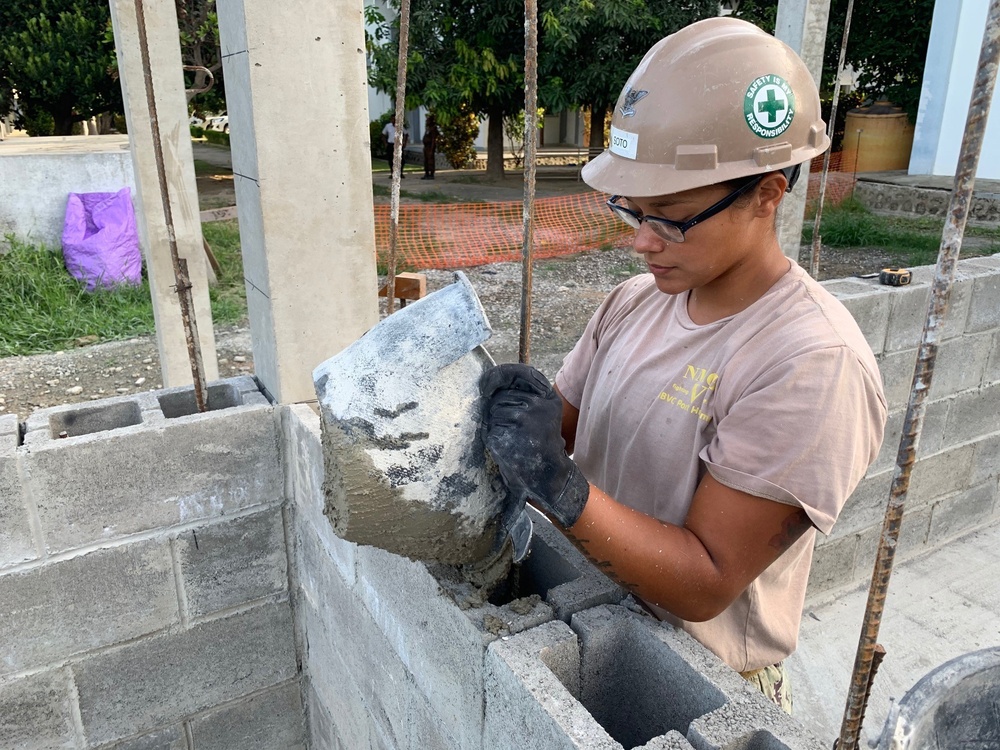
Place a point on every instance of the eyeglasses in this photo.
(673, 231)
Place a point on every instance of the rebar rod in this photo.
(182, 281)
(951, 245)
(530, 157)
(397, 154)
(831, 128)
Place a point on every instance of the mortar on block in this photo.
(406, 470)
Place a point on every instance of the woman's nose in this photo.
(647, 241)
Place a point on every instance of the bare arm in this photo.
(693, 571)
(570, 418)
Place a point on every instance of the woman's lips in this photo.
(659, 270)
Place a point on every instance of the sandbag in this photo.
(100, 243)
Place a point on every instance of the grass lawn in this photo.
(45, 309)
(914, 241)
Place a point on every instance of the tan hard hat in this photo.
(716, 101)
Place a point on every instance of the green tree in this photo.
(59, 56)
(589, 48)
(198, 24)
(462, 53)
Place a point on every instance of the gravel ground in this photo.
(566, 292)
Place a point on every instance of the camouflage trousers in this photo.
(773, 682)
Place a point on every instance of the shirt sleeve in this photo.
(803, 433)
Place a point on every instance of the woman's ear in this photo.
(769, 193)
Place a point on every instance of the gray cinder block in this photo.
(302, 462)
(322, 728)
(973, 414)
(104, 597)
(984, 308)
(16, 544)
(157, 473)
(960, 364)
(669, 741)
(156, 681)
(897, 376)
(168, 738)
(986, 460)
(869, 305)
(562, 576)
(527, 701)
(266, 721)
(866, 505)
(940, 474)
(763, 726)
(991, 373)
(441, 644)
(962, 512)
(229, 563)
(832, 564)
(35, 712)
(353, 668)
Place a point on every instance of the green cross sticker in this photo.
(769, 106)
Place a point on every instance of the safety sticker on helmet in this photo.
(769, 106)
(624, 143)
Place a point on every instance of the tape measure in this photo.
(894, 277)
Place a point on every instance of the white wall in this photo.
(949, 74)
(37, 175)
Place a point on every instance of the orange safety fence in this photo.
(456, 235)
(840, 180)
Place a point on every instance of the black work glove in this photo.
(522, 431)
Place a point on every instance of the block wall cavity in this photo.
(143, 571)
(397, 655)
(954, 485)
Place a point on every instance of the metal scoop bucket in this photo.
(405, 467)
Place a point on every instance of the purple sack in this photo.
(99, 241)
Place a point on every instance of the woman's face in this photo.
(712, 249)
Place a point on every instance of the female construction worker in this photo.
(722, 407)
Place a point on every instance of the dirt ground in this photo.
(567, 290)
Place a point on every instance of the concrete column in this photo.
(297, 98)
(175, 137)
(801, 24)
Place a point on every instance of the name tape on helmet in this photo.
(624, 143)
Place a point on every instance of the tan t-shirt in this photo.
(783, 401)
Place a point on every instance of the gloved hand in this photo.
(522, 431)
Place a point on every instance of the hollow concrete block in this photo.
(229, 563)
(940, 474)
(528, 703)
(974, 414)
(869, 305)
(832, 564)
(567, 581)
(896, 369)
(360, 676)
(441, 644)
(36, 712)
(105, 597)
(984, 307)
(156, 472)
(266, 721)
(961, 364)
(302, 463)
(866, 505)
(167, 738)
(985, 463)
(764, 727)
(155, 682)
(16, 544)
(962, 511)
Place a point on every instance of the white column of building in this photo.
(297, 97)
(801, 24)
(175, 139)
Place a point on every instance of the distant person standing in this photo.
(430, 147)
(389, 139)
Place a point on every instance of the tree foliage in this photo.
(462, 54)
(59, 56)
(591, 46)
(887, 45)
(198, 24)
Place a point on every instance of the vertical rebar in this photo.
(397, 154)
(182, 282)
(814, 264)
(530, 157)
(951, 244)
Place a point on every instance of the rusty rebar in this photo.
(530, 157)
(399, 120)
(182, 281)
(951, 245)
(831, 128)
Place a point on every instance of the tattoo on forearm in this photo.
(795, 525)
(603, 565)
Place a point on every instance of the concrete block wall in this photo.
(398, 654)
(954, 485)
(143, 575)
